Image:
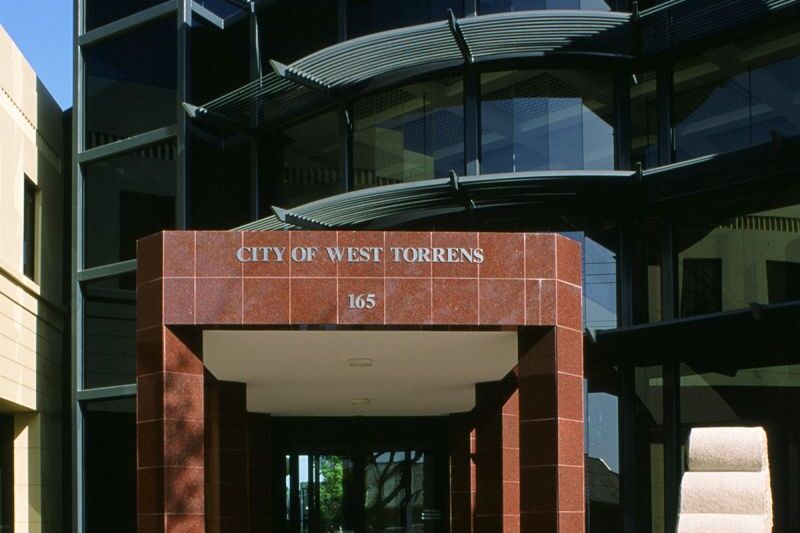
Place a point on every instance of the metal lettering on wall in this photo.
(365, 254)
(361, 277)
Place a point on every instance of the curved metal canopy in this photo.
(321, 78)
(392, 204)
(700, 182)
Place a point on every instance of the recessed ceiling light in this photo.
(360, 401)
(359, 361)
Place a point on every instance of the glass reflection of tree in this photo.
(331, 492)
(389, 489)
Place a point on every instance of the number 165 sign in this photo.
(361, 301)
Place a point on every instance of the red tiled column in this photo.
(551, 430)
(226, 451)
(496, 507)
(169, 430)
(170, 397)
(462, 472)
(260, 472)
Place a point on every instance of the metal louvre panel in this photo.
(430, 196)
(538, 32)
(402, 53)
(659, 189)
(371, 56)
(677, 23)
(237, 105)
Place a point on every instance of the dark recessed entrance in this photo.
(395, 479)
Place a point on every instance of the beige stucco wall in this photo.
(32, 316)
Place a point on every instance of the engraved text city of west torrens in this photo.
(362, 254)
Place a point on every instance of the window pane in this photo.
(109, 332)
(599, 282)
(646, 272)
(301, 163)
(110, 466)
(126, 198)
(291, 30)
(600, 285)
(100, 12)
(29, 231)
(215, 169)
(220, 59)
(738, 95)
(131, 83)
(737, 260)
(649, 449)
(221, 8)
(411, 133)
(602, 450)
(486, 7)
(546, 120)
(644, 120)
(372, 16)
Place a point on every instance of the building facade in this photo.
(33, 315)
(662, 136)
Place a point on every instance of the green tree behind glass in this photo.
(331, 492)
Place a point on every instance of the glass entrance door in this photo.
(368, 492)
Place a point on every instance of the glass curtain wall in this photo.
(738, 95)
(125, 198)
(603, 511)
(127, 104)
(411, 133)
(101, 12)
(649, 448)
(486, 7)
(291, 30)
(131, 82)
(372, 16)
(301, 162)
(546, 120)
(109, 323)
(753, 257)
(109, 434)
(644, 120)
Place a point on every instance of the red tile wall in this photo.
(525, 279)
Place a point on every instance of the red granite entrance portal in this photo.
(516, 458)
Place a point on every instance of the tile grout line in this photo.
(525, 277)
(478, 245)
(241, 316)
(337, 281)
(384, 278)
(555, 284)
(430, 244)
(194, 278)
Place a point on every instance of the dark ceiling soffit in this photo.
(671, 27)
(669, 186)
(626, 344)
(247, 5)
